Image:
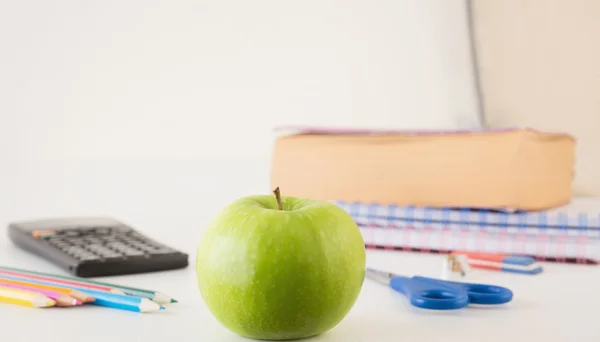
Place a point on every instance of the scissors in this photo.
(435, 294)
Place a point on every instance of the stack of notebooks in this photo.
(502, 191)
(566, 234)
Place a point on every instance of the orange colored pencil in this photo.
(73, 293)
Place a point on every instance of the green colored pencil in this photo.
(155, 296)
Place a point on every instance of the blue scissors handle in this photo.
(435, 294)
(430, 293)
(485, 294)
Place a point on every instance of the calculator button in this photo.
(62, 247)
(85, 230)
(103, 251)
(75, 251)
(138, 244)
(94, 250)
(117, 245)
(148, 249)
(57, 242)
(96, 247)
(123, 249)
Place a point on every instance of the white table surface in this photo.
(173, 202)
(559, 305)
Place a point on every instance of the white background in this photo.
(160, 112)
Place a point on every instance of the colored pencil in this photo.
(123, 302)
(70, 292)
(25, 298)
(60, 281)
(61, 299)
(156, 296)
(103, 298)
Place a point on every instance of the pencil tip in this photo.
(162, 308)
(173, 301)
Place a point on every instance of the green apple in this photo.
(280, 268)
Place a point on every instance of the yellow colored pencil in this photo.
(71, 292)
(25, 298)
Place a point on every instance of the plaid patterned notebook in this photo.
(582, 213)
(567, 234)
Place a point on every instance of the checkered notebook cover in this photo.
(565, 235)
(581, 213)
(439, 238)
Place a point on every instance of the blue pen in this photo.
(435, 294)
(102, 298)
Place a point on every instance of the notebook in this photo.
(550, 247)
(580, 213)
(569, 233)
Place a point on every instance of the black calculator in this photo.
(95, 246)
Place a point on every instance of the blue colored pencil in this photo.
(123, 302)
(103, 298)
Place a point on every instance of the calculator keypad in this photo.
(105, 244)
(95, 246)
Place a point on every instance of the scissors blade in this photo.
(379, 276)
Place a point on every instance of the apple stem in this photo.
(278, 198)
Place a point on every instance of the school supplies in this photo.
(455, 264)
(37, 287)
(568, 234)
(61, 299)
(74, 291)
(95, 246)
(435, 294)
(123, 302)
(580, 213)
(58, 281)
(101, 298)
(421, 237)
(155, 296)
(24, 298)
(501, 262)
(513, 169)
